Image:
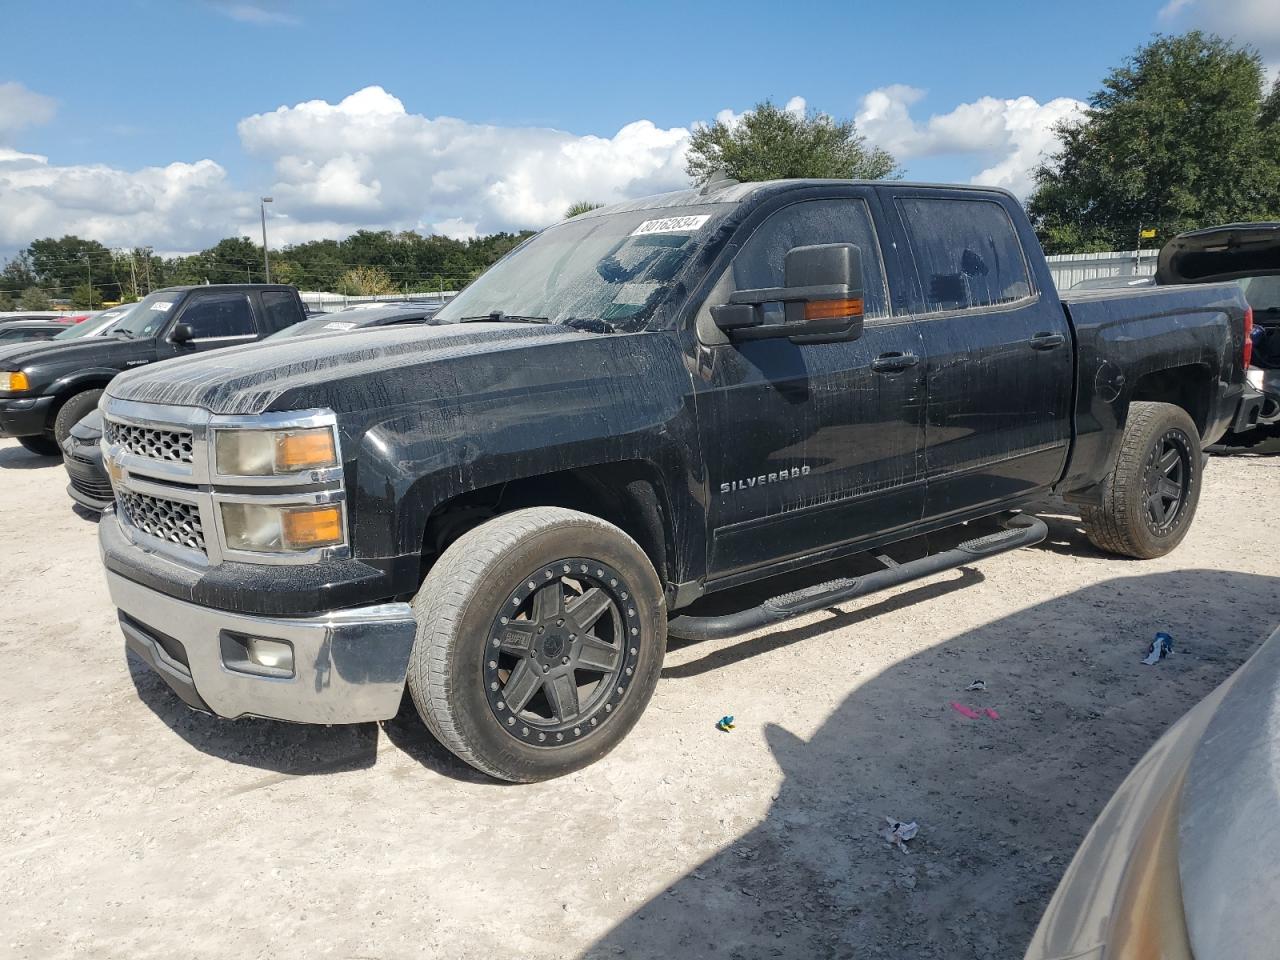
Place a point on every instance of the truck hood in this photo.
(1221, 253)
(250, 379)
(71, 352)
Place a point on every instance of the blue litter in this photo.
(1161, 647)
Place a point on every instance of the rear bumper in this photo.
(348, 666)
(24, 416)
(1249, 410)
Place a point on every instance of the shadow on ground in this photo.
(1002, 804)
(292, 748)
(20, 458)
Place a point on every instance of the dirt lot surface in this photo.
(132, 827)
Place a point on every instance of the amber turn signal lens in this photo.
(307, 527)
(832, 309)
(305, 450)
(14, 382)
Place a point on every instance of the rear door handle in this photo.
(1047, 341)
(894, 362)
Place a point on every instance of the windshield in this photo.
(616, 268)
(148, 317)
(1262, 293)
(93, 324)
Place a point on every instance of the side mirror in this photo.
(182, 333)
(821, 298)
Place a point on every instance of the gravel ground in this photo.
(132, 827)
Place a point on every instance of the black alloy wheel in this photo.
(562, 653)
(1167, 480)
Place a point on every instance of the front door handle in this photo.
(1047, 341)
(894, 362)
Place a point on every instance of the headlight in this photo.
(265, 453)
(14, 382)
(261, 528)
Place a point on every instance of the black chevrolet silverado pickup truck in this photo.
(634, 410)
(45, 388)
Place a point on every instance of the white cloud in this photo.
(1255, 22)
(366, 161)
(1008, 136)
(20, 108)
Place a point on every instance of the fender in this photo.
(90, 379)
(598, 402)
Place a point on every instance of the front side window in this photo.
(965, 252)
(219, 315)
(760, 262)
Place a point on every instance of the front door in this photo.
(216, 320)
(809, 446)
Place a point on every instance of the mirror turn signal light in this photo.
(832, 309)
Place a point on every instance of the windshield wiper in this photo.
(499, 316)
(122, 333)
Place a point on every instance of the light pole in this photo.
(266, 257)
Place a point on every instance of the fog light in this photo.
(269, 653)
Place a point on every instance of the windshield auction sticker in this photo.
(671, 225)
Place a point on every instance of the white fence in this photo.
(1068, 269)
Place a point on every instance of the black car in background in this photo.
(82, 448)
(46, 388)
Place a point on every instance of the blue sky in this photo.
(146, 83)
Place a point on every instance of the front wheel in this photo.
(1148, 501)
(540, 639)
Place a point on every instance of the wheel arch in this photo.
(1189, 386)
(630, 494)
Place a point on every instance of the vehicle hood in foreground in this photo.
(249, 379)
(1221, 253)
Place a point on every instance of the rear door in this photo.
(809, 445)
(999, 377)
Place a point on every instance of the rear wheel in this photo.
(1149, 500)
(541, 634)
(41, 445)
(75, 409)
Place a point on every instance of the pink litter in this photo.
(965, 711)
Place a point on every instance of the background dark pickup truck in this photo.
(46, 387)
(638, 408)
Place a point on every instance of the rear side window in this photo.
(220, 315)
(966, 253)
(760, 262)
(280, 308)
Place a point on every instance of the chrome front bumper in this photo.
(348, 666)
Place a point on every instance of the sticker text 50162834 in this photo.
(671, 225)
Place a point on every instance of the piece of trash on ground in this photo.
(991, 713)
(961, 709)
(978, 685)
(1161, 647)
(898, 833)
(725, 724)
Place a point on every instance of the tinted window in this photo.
(760, 262)
(966, 253)
(280, 308)
(219, 315)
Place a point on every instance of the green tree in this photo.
(17, 276)
(1180, 136)
(581, 207)
(33, 298)
(366, 282)
(768, 143)
(86, 297)
(61, 265)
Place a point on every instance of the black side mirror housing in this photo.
(821, 298)
(182, 333)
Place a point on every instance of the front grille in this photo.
(91, 488)
(169, 520)
(172, 445)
